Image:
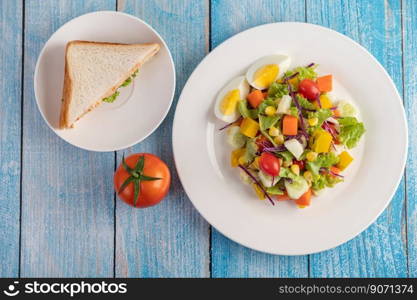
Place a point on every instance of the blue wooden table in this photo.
(58, 213)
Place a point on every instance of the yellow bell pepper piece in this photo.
(249, 127)
(324, 101)
(242, 160)
(344, 160)
(258, 191)
(322, 141)
(236, 154)
(294, 82)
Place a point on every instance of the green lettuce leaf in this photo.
(303, 73)
(245, 111)
(322, 181)
(286, 156)
(275, 190)
(266, 122)
(322, 114)
(286, 173)
(324, 160)
(270, 138)
(277, 90)
(127, 82)
(351, 131)
(293, 111)
(112, 98)
(264, 104)
(250, 150)
(304, 103)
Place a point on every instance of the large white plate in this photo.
(202, 155)
(141, 106)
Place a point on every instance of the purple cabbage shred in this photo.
(230, 124)
(297, 104)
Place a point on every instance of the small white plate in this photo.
(141, 106)
(202, 154)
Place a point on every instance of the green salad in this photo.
(290, 138)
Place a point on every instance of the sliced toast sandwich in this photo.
(94, 71)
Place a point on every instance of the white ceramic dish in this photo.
(202, 154)
(141, 106)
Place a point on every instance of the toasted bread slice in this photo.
(94, 71)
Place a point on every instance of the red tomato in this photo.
(269, 163)
(154, 182)
(309, 89)
(300, 163)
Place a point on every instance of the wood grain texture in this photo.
(10, 129)
(170, 239)
(67, 204)
(228, 258)
(410, 98)
(380, 251)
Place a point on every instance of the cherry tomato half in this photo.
(309, 89)
(269, 163)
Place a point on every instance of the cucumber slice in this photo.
(267, 179)
(245, 177)
(347, 109)
(294, 147)
(296, 188)
(235, 138)
(284, 104)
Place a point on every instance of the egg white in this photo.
(283, 62)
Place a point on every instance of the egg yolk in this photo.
(266, 75)
(229, 102)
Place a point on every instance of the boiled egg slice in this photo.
(264, 71)
(226, 108)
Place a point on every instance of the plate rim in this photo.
(397, 178)
(165, 113)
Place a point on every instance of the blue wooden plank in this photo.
(67, 204)
(228, 258)
(10, 129)
(170, 239)
(410, 98)
(380, 251)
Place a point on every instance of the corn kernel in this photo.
(311, 156)
(308, 176)
(273, 131)
(270, 110)
(313, 121)
(295, 169)
(302, 206)
(279, 140)
(287, 164)
(242, 160)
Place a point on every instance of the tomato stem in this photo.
(136, 177)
